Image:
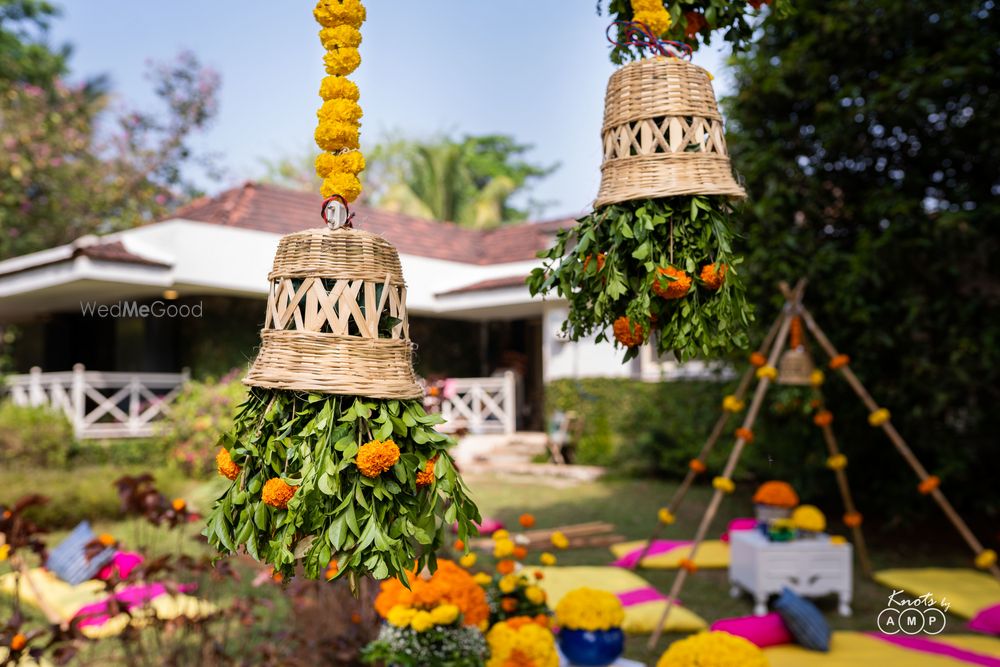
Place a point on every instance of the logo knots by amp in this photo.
(913, 616)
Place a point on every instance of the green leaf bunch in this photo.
(637, 239)
(380, 527)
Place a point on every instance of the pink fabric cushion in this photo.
(121, 564)
(767, 630)
(739, 524)
(987, 620)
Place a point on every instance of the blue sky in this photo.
(535, 69)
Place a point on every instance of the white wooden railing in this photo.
(482, 405)
(99, 404)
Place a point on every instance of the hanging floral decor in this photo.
(655, 261)
(333, 464)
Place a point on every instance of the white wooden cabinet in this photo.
(810, 567)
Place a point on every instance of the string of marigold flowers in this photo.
(339, 127)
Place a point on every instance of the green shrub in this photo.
(34, 436)
(198, 418)
(124, 451)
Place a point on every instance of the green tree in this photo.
(472, 180)
(68, 166)
(868, 132)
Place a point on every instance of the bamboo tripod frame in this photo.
(793, 306)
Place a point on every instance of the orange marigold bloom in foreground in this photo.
(627, 333)
(823, 418)
(450, 584)
(671, 289)
(426, 476)
(224, 462)
(277, 493)
(526, 520)
(929, 484)
(376, 457)
(713, 277)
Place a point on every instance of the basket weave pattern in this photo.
(327, 327)
(663, 135)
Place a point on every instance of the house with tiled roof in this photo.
(201, 275)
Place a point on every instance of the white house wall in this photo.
(563, 358)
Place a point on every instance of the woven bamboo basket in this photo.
(336, 318)
(663, 135)
(795, 367)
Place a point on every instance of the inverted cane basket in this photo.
(336, 318)
(663, 135)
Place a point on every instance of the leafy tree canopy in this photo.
(868, 133)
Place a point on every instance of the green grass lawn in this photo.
(630, 505)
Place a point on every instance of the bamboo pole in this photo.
(849, 506)
(734, 457)
(898, 441)
(717, 430)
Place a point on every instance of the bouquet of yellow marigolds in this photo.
(523, 643)
(438, 620)
(713, 649)
(589, 609)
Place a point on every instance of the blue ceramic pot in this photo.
(592, 649)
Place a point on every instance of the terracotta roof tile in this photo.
(115, 251)
(270, 208)
(489, 284)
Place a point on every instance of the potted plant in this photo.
(590, 630)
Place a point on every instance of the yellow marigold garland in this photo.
(338, 130)
(986, 559)
(665, 516)
(879, 417)
(769, 372)
(723, 484)
(732, 404)
(836, 462)
(653, 14)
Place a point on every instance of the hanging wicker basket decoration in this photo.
(336, 318)
(335, 468)
(654, 262)
(662, 134)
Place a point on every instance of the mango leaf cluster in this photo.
(377, 527)
(634, 241)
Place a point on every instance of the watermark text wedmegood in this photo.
(923, 614)
(136, 309)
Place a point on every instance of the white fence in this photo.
(99, 404)
(481, 405)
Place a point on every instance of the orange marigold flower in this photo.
(526, 520)
(853, 519)
(713, 277)
(106, 539)
(277, 493)
(687, 564)
(178, 504)
(508, 604)
(697, 466)
(776, 494)
(450, 584)
(695, 22)
(520, 553)
(676, 288)
(18, 642)
(376, 457)
(277, 576)
(839, 361)
(627, 333)
(505, 566)
(356, 618)
(745, 434)
(224, 462)
(459, 545)
(600, 261)
(928, 484)
(823, 418)
(757, 359)
(539, 575)
(542, 620)
(426, 476)
(332, 569)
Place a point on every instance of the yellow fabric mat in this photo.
(711, 554)
(854, 649)
(65, 600)
(968, 591)
(639, 618)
